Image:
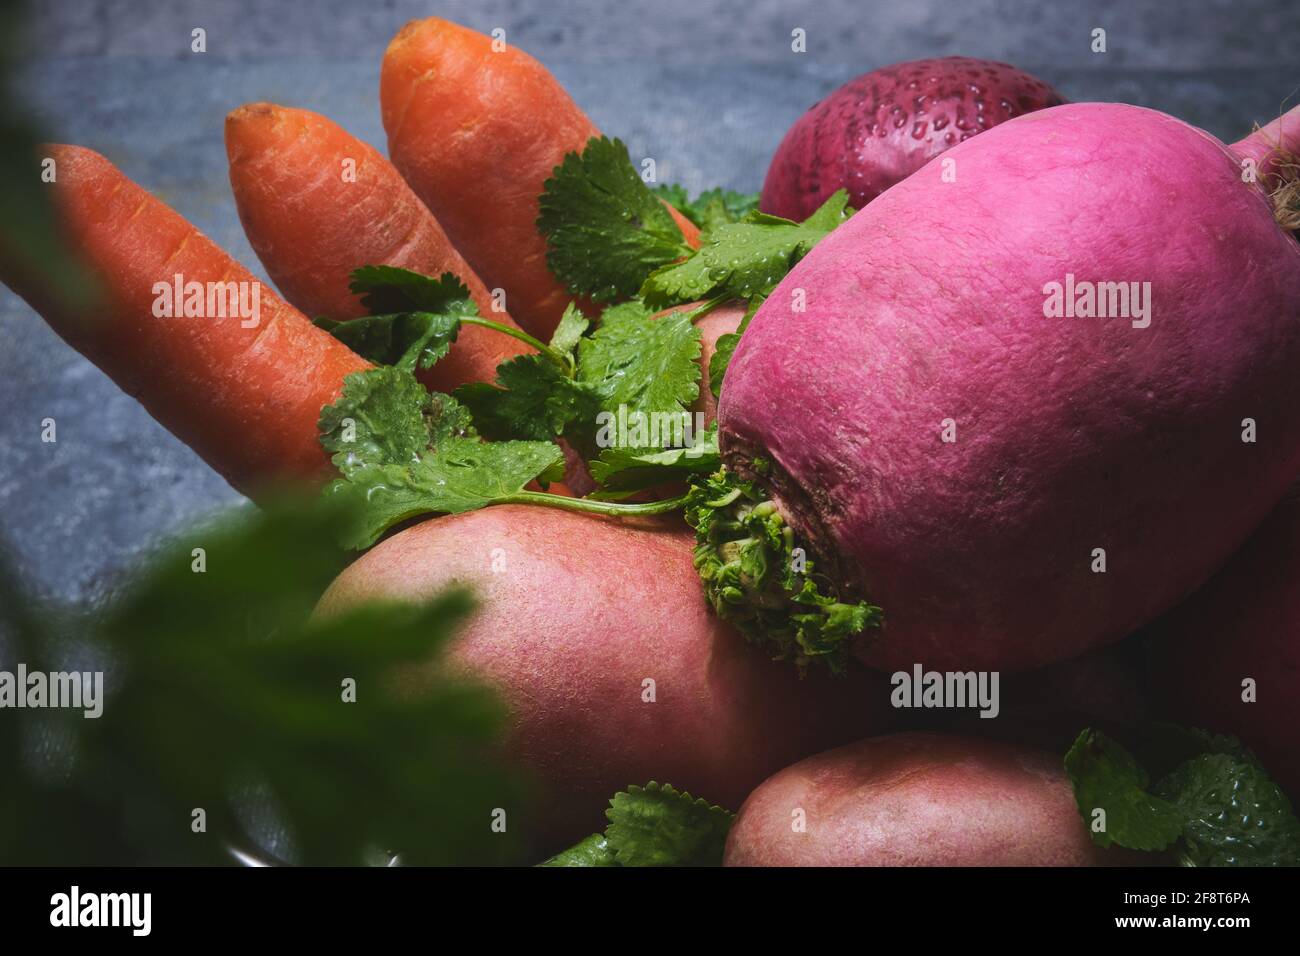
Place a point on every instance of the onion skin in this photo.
(883, 126)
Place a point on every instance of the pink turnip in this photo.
(1014, 486)
(885, 125)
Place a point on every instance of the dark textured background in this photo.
(706, 86)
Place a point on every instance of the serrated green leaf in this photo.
(1106, 777)
(623, 471)
(593, 851)
(573, 324)
(532, 399)
(605, 230)
(1234, 815)
(406, 340)
(657, 825)
(414, 318)
(650, 366)
(745, 258)
(710, 209)
(386, 417)
(387, 290)
(460, 475)
(413, 452)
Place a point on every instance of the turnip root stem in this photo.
(756, 578)
(1275, 151)
(589, 506)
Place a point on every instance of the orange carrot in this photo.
(244, 390)
(317, 203)
(476, 133)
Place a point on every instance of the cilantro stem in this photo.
(522, 336)
(709, 306)
(662, 506)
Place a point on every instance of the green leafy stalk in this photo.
(1216, 807)
(654, 825)
(743, 259)
(756, 577)
(621, 472)
(222, 678)
(415, 319)
(711, 208)
(596, 506)
(403, 452)
(561, 359)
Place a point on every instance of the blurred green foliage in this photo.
(221, 683)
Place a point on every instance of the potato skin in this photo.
(723, 320)
(916, 799)
(581, 611)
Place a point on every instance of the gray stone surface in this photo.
(708, 88)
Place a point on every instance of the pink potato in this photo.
(1245, 623)
(915, 799)
(883, 126)
(577, 613)
(1074, 439)
(723, 320)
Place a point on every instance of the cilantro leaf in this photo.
(1216, 807)
(710, 209)
(414, 318)
(654, 825)
(623, 471)
(593, 851)
(745, 258)
(386, 417)
(532, 399)
(573, 325)
(641, 368)
(390, 289)
(605, 230)
(650, 366)
(1233, 814)
(459, 475)
(405, 340)
(1107, 777)
(405, 452)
